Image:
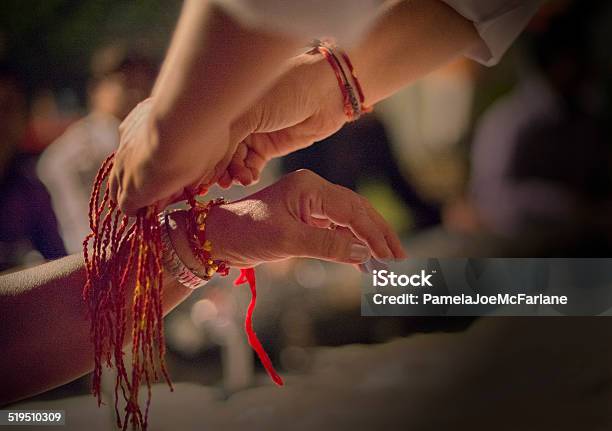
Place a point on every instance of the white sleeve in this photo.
(58, 170)
(498, 22)
(344, 20)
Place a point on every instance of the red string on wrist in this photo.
(346, 99)
(348, 62)
(353, 98)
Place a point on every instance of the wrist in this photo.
(178, 233)
(221, 229)
(321, 78)
(347, 82)
(168, 130)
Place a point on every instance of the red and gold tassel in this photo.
(120, 251)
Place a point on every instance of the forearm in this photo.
(214, 70)
(44, 328)
(411, 39)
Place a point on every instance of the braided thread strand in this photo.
(120, 252)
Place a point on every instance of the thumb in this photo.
(336, 245)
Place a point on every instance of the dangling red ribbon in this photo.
(248, 275)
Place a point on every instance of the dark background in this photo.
(433, 173)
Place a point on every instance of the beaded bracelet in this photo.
(200, 246)
(171, 259)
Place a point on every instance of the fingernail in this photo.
(372, 264)
(359, 253)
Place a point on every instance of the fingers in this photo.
(237, 169)
(246, 165)
(393, 241)
(128, 206)
(225, 181)
(257, 149)
(255, 163)
(321, 223)
(336, 245)
(174, 198)
(113, 187)
(117, 192)
(131, 199)
(346, 208)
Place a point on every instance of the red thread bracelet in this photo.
(352, 92)
(202, 248)
(348, 62)
(348, 108)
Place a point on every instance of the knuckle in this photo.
(304, 174)
(359, 213)
(387, 231)
(302, 179)
(124, 204)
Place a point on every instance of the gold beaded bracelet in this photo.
(200, 246)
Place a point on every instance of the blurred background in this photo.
(507, 161)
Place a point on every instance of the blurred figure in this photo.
(541, 160)
(120, 79)
(50, 115)
(28, 228)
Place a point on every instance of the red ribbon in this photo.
(248, 275)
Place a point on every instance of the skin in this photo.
(213, 71)
(411, 39)
(228, 93)
(44, 331)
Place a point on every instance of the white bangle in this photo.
(171, 259)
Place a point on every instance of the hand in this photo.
(292, 218)
(303, 107)
(145, 172)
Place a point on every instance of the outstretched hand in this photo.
(302, 215)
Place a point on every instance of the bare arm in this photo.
(44, 333)
(411, 39)
(214, 69)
